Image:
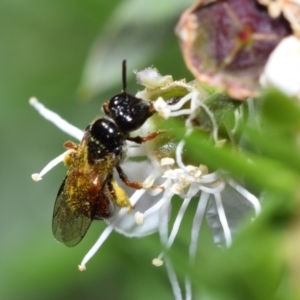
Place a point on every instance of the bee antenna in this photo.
(124, 76)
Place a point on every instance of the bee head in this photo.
(128, 112)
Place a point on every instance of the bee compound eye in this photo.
(115, 102)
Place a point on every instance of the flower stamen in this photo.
(157, 262)
(199, 215)
(105, 234)
(176, 225)
(223, 219)
(49, 166)
(139, 218)
(250, 197)
(173, 279)
(56, 119)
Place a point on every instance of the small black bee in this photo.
(89, 191)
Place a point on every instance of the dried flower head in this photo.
(289, 8)
(227, 43)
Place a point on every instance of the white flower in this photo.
(151, 78)
(218, 196)
(283, 67)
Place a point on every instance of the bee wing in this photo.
(71, 220)
(75, 209)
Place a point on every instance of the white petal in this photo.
(283, 67)
(236, 207)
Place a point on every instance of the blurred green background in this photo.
(43, 51)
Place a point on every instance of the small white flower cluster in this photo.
(189, 182)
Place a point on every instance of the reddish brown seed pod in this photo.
(226, 44)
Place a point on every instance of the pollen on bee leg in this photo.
(139, 218)
(157, 262)
(49, 166)
(81, 268)
(120, 197)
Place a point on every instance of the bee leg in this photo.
(140, 139)
(71, 145)
(134, 184)
(118, 195)
(105, 207)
